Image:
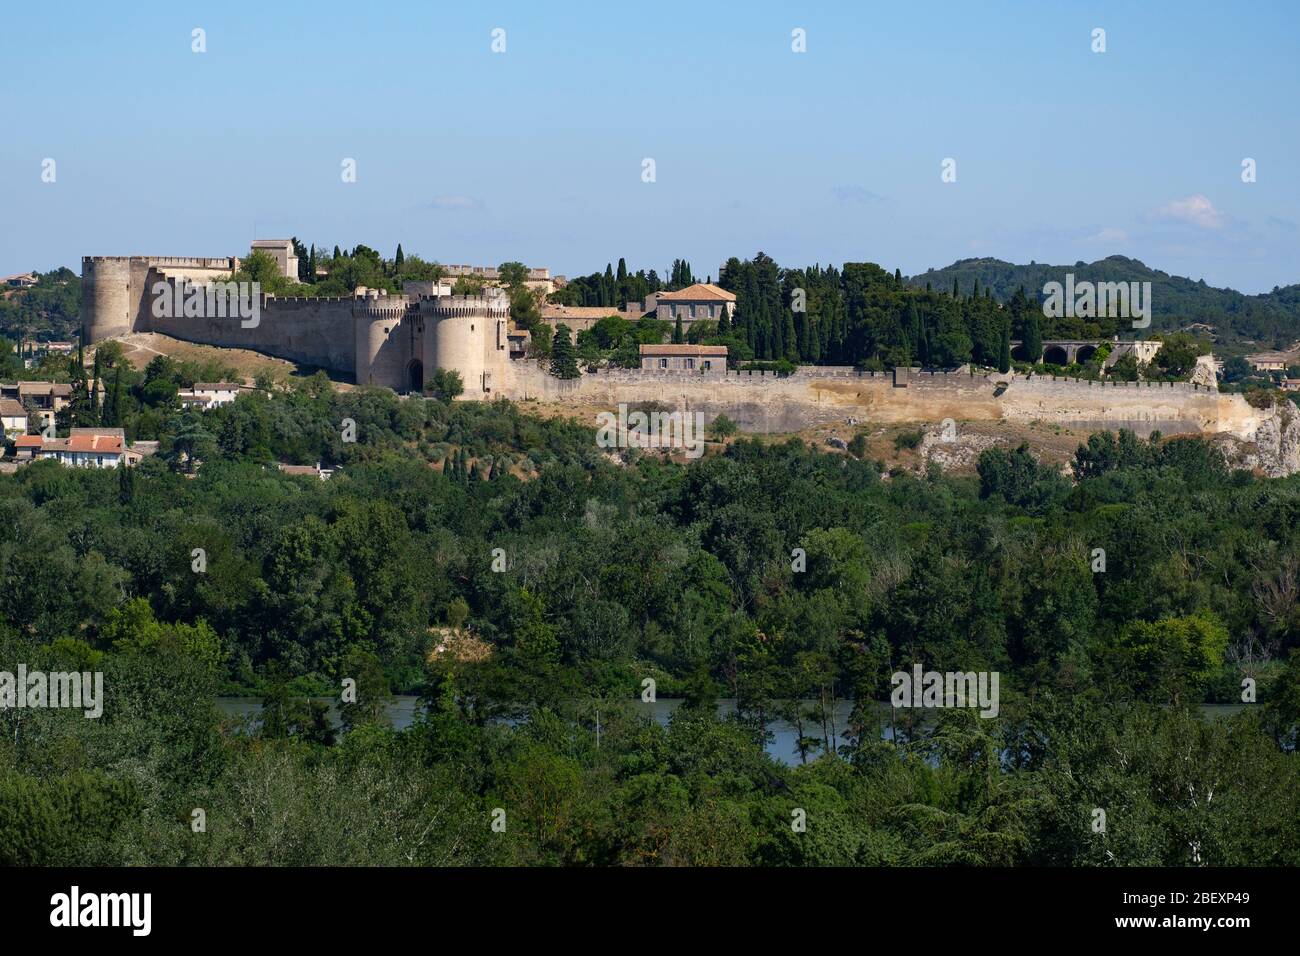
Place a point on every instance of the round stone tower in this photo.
(382, 350)
(107, 306)
(467, 334)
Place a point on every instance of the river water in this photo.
(781, 746)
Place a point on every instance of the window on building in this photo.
(690, 363)
(663, 363)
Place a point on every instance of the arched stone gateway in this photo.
(1055, 355)
(1084, 353)
(1019, 353)
(415, 375)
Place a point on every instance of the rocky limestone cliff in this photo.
(1274, 447)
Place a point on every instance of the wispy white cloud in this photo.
(1195, 211)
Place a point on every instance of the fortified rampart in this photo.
(377, 340)
(396, 341)
(813, 395)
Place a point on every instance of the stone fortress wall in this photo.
(399, 341)
(393, 341)
(828, 395)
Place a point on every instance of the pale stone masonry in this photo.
(282, 251)
(379, 339)
(703, 359)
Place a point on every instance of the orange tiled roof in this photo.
(87, 444)
(700, 292)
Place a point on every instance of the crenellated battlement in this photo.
(466, 306)
(190, 262)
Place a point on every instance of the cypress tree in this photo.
(1033, 343)
(94, 393)
(724, 321)
(113, 403)
(398, 260)
(1004, 351)
(678, 336)
(125, 484)
(564, 362)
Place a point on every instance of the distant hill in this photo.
(48, 310)
(1271, 320)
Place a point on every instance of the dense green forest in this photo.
(1242, 322)
(560, 580)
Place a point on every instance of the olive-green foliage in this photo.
(613, 572)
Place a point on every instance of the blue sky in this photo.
(469, 156)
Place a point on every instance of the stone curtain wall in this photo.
(770, 403)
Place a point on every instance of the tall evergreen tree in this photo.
(1033, 341)
(678, 336)
(113, 402)
(94, 395)
(125, 484)
(398, 260)
(1004, 352)
(564, 360)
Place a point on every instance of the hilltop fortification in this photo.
(398, 340)
(389, 340)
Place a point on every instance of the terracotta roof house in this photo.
(25, 446)
(84, 448)
(700, 301)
